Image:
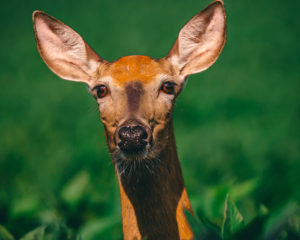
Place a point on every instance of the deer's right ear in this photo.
(200, 41)
(63, 50)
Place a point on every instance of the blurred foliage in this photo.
(282, 224)
(236, 124)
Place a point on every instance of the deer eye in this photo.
(168, 87)
(101, 91)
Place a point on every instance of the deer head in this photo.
(135, 94)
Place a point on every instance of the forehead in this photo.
(136, 68)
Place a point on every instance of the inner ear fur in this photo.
(200, 41)
(63, 50)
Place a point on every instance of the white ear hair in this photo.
(200, 41)
(63, 50)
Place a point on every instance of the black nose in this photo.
(132, 138)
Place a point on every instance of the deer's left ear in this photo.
(200, 41)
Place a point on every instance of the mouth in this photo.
(136, 163)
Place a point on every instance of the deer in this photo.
(136, 95)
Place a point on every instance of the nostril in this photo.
(144, 135)
(140, 132)
(124, 133)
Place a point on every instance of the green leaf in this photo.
(96, 228)
(241, 190)
(201, 232)
(208, 223)
(253, 230)
(196, 226)
(36, 234)
(263, 210)
(76, 188)
(233, 220)
(4, 234)
(56, 230)
(284, 220)
(27, 205)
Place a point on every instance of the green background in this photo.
(236, 124)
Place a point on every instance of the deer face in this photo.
(135, 94)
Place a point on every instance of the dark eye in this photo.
(101, 91)
(168, 87)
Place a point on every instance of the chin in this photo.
(136, 164)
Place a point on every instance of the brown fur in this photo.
(134, 90)
(133, 68)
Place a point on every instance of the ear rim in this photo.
(90, 53)
(174, 51)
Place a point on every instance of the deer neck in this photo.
(153, 205)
